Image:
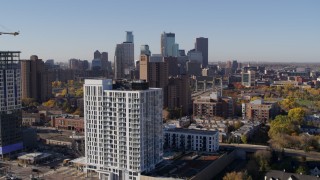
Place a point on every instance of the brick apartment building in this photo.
(68, 122)
(259, 110)
(213, 105)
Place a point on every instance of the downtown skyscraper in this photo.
(124, 57)
(168, 45)
(123, 128)
(201, 45)
(10, 102)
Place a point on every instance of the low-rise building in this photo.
(247, 130)
(33, 158)
(260, 110)
(274, 174)
(310, 129)
(68, 122)
(285, 83)
(191, 139)
(59, 141)
(211, 106)
(30, 119)
(183, 122)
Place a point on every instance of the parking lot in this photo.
(51, 169)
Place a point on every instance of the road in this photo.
(290, 152)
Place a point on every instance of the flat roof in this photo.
(10, 51)
(192, 131)
(186, 166)
(32, 156)
(80, 160)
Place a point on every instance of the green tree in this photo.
(302, 169)
(237, 125)
(255, 98)
(50, 103)
(56, 84)
(28, 102)
(263, 157)
(244, 139)
(237, 176)
(64, 92)
(70, 82)
(281, 125)
(78, 112)
(79, 92)
(288, 103)
(297, 114)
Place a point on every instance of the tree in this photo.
(28, 102)
(297, 114)
(288, 103)
(302, 169)
(78, 112)
(70, 82)
(237, 125)
(79, 92)
(263, 157)
(255, 98)
(56, 84)
(64, 92)
(50, 103)
(244, 139)
(237, 176)
(281, 125)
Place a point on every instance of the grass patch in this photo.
(304, 102)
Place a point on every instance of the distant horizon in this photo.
(286, 31)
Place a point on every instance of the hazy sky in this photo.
(246, 30)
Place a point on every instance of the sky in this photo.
(246, 30)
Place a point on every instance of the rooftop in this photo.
(284, 175)
(32, 156)
(184, 167)
(80, 160)
(192, 131)
(69, 116)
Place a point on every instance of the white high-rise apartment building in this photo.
(123, 128)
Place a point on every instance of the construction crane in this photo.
(11, 33)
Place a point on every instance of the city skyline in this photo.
(247, 30)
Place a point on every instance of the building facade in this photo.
(191, 140)
(211, 106)
(123, 128)
(168, 45)
(179, 94)
(248, 78)
(10, 102)
(129, 36)
(195, 56)
(144, 50)
(68, 122)
(36, 81)
(124, 59)
(202, 46)
(155, 72)
(260, 110)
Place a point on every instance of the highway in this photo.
(199, 93)
(289, 152)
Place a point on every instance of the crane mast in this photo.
(10, 33)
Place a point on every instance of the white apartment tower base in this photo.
(123, 128)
